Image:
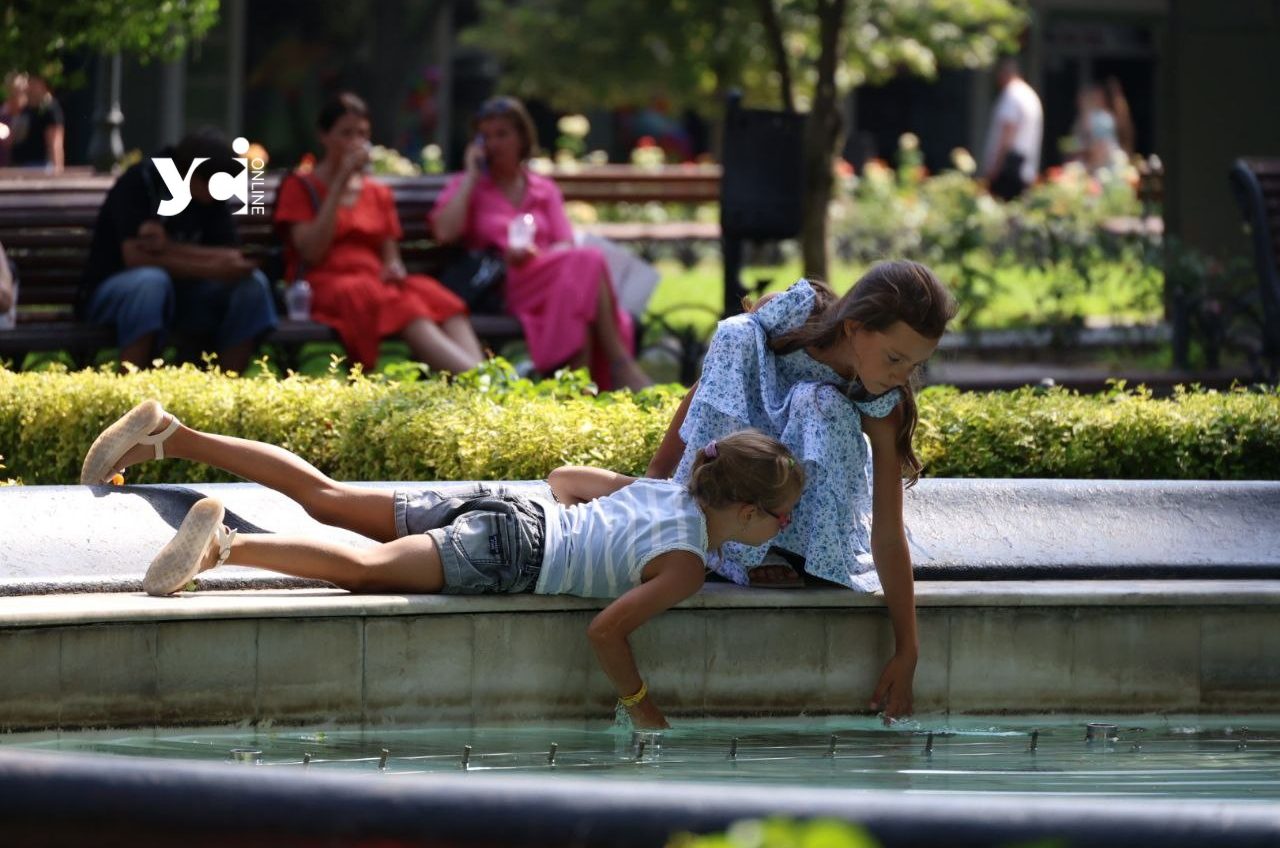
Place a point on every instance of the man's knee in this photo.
(144, 281)
(136, 295)
(253, 292)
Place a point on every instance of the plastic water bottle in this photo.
(297, 300)
(520, 232)
(9, 318)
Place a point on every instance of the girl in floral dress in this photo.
(830, 378)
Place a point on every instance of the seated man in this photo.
(150, 274)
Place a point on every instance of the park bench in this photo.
(1256, 184)
(46, 226)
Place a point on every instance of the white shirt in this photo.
(599, 549)
(1017, 105)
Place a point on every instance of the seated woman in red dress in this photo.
(343, 231)
(561, 294)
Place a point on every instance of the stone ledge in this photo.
(98, 608)
(979, 530)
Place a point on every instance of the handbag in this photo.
(477, 277)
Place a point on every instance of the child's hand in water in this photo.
(893, 693)
(646, 716)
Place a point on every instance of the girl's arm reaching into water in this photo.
(575, 484)
(668, 579)
(893, 563)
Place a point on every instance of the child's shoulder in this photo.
(661, 493)
(787, 310)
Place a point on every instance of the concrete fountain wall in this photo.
(1115, 597)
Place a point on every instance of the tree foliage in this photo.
(805, 54)
(615, 53)
(37, 35)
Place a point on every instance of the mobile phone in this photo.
(478, 141)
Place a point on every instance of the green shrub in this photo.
(490, 424)
(1127, 434)
(780, 833)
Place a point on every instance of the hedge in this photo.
(490, 424)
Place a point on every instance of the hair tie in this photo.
(710, 449)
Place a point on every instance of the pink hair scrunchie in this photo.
(710, 449)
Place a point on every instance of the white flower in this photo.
(908, 141)
(575, 125)
(963, 161)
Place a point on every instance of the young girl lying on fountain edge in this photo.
(490, 539)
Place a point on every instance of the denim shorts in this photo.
(490, 539)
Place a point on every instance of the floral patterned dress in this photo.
(802, 403)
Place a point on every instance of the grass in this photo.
(1017, 297)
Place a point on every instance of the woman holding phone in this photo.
(562, 295)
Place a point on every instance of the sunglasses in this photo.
(783, 520)
(498, 106)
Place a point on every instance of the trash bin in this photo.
(761, 185)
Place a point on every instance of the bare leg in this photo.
(459, 329)
(236, 358)
(430, 344)
(409, 564)
(139, 351)
(582, 359)
(369, 512)
(622, 363)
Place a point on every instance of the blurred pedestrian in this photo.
(39, 140)
(1095, 129)
(11, 117)
(1011, 159)
(1118, 105)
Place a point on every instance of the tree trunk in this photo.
(777, 46)
(824, 132)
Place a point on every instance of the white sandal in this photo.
(129, 430)
(179, 561)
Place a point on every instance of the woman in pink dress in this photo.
(562, 294)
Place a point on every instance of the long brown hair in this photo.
(888, 293)
(745, 467)
(1118, 105)
(513, 112)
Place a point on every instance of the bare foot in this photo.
(775, 577)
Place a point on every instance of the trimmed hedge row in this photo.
(492, 425)
(1122, 434)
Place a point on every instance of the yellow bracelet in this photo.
(632, 700)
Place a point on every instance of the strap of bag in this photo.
(300, 270)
